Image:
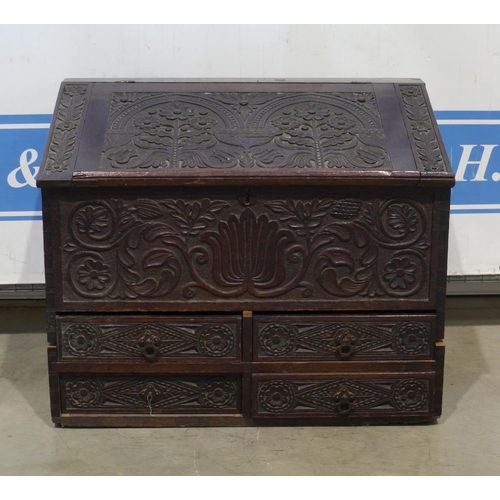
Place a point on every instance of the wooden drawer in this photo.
(344, 396)
(152, 338)
(159, 394)
(343, 337)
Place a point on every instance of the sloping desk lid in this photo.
(236, 132)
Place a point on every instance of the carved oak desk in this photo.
(245, 253)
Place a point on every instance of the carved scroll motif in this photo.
(150, 249)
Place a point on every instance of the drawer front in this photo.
(152, 339)
(343, 337)
(151, 395)
(344, 396)
(245, 249)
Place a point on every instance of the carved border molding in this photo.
(68, 117)
(425, 139)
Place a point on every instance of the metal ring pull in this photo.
(149, 345)
(346, 341)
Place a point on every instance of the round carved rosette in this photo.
(404, 274)
(92, 224)
(215, 340)
(81, 339)
(277, 397)
(89, 276)
(278, 339)
(402, 221)
(411, 338)
(218, 393)
(83, 393)
(410, 395)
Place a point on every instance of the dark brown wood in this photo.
(245, 253)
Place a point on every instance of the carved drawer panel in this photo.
(341, 396)
(259, 248)
(341, 337)
(151, 395)
(153, 339)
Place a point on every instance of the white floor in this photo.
(465, 441)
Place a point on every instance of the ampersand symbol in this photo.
(24, 168)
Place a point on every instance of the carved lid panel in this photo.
(112, 133)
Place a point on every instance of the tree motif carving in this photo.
(244, 130)
(342, 397)
(145, 248)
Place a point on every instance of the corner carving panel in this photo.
(152, 340)
(343, 397)
(94, 394)
(63, 139)
(231, 248)
(229, 130)
(422, 131)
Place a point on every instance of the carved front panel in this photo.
(244, 130)
(150, 339)
(250, 248)
(343, 396)
(150, 395)
(293, 337)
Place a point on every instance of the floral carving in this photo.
(403, 218)
(144, 248)
(315, 338)
(215, 340)
(191, 218)
(149, 340)
(410, 395)
(92, 220)
(244, 103)
(238, 260)
(93, 274)
(343, 397)
(83, 393)
(160, 394)
(400, 273)
(62, 143)
(411, 338)
(81, 339)
(312, 111)
(276, 397)
(425, 139)
(277, 339)
(244, 130)
(218, 394)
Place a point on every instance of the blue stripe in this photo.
(8, 119)
(20, 217)
(467, 115)
(482, 211)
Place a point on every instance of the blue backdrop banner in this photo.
(22, 141)
(472, 140)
